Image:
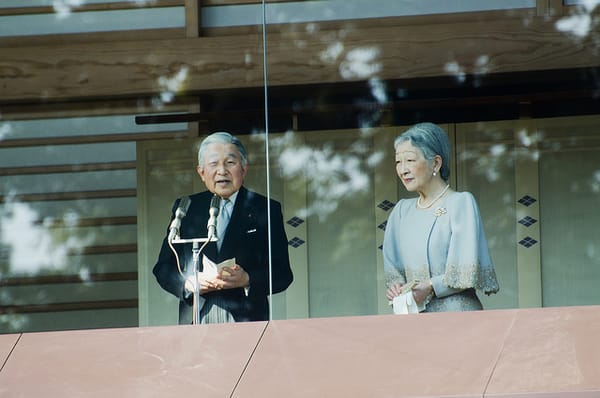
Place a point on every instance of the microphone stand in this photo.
(196, 250)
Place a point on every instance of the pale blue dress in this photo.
(445, 244)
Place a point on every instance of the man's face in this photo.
(222, 171)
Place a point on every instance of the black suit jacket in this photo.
(246, 239)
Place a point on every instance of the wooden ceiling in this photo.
(458, 67)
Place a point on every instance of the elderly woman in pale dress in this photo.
(436, 238)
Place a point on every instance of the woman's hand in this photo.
(394, 290)
(421, 291)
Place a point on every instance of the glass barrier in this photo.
(351, 77)
(99, 140)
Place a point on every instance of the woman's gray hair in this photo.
(432, 140)
(223, 138)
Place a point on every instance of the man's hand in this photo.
(228, 278)
(232, 277)
(206, 285)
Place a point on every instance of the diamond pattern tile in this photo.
(382, 225)
(386, 205)
(295, 221)
(527, 221)
(296, 242)
(527, 200)
(527, 242)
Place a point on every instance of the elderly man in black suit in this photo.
(238, 292)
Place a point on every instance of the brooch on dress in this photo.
(439, 211)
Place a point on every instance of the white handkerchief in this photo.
(405, 304)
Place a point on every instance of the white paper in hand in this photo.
(212, 269)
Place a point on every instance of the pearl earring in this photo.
(434, 173)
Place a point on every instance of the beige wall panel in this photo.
(527, 195)
(256, 180)
(385, 187)
(569, 198)
(485, 166)
(342, 250)
(291, 191)
(166, 170)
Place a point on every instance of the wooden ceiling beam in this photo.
(80, 71)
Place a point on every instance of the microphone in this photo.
(213, 212)
(184, 205)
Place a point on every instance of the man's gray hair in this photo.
(222, 137)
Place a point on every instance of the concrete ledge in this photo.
(529, 353)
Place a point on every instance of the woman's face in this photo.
(411, 166)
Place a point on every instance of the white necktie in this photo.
(222, 221)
